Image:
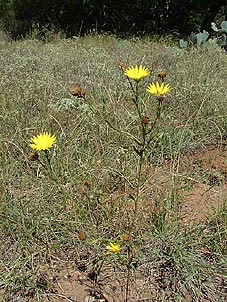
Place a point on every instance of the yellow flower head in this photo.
(158, 89)
(137, 73)
(43, 141)
(113, 248)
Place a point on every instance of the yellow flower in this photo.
(137, 73)
(158, 89)
(43, 141)
(113, 248)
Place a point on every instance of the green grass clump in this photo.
(90, 188)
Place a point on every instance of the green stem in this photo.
(136, 96)
(135, 100)
(143, 146)
(139, 173)
(130, 83)
(42, 164)
(158, 115)
(48, 158)
(145, 143)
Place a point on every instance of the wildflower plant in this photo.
(146, 125)
(124, 250)
(142, 142)
(108, 254)
(124, 259)
(123, 253)
(42, 142)
(117, 254)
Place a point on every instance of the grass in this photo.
(92, 186)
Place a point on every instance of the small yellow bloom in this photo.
(158, 89)
(113, 248)
(137, 73)
(43, 141)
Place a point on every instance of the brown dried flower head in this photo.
(78, 91)
(122, 65)
(87, 183)
(126, 237)
(33, 156)
(82, 235)
(162, 74)
(81, 189)
(145, 120)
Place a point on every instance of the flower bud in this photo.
(145, 120)
(33, 156)
(126, 237)
(82, 236)
(162, 74)
(78, 91)
(122, 65)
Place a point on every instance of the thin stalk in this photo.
(140, 164)
(135, 100)
(158, 115)
(143, 144)
(48, 159)
(42, 164)
(130, 83)
(97, 273)
(139, 174)
(136, 96)
(128, 275)
(141, 155)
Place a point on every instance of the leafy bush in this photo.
(131, 17)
